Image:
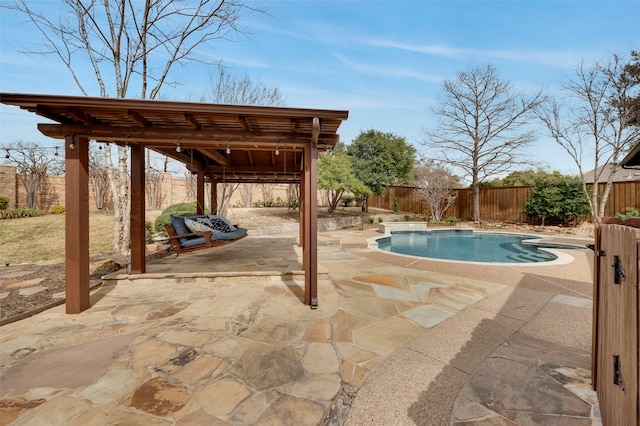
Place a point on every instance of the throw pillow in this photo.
(225, 220)
(219, 225)
(206, 221)
(195, 226)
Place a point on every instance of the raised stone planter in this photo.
(388, 227)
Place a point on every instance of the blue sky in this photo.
(384, 61)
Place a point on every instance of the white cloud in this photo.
(389, 71)
(563, 59)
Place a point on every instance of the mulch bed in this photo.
(16, 280)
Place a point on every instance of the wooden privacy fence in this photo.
(501, 204)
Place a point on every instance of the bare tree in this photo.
(33, 164)
(128, 45)
(267, 192)
(191, 183)
(482, 127)
(593, 124)
(246, 192)
(224, 197)
(228, 89)
(153, 187)
(435, 185)
(293, 196)
(98, 177)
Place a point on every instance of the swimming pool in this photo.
(468, 246)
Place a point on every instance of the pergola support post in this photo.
(200, 192)
(77, 224)
(137, 215)
(301, 208)
(214, 195)
(310, 250)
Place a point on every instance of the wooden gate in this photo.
(615, 340)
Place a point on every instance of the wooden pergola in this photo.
(217, 143)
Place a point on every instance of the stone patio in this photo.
(219, 337)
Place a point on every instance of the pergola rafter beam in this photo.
(244, 123)
(180, 157)
(215, 156)
(82, 116)
(192, 120)
(138, 118)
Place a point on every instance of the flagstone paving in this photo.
(219, 337)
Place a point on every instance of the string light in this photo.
(19, 149)
(72, 144)
(228, 148)
(277, 148)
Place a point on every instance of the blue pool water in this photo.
(465, 245)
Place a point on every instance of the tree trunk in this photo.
(223, 201)
(476, 201)
(475, 190)
(605, 194)
(119, 184)
(594, 198)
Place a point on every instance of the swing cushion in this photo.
(220, 229)
(179, 226)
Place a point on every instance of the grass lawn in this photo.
(34, 239)
(40, 238)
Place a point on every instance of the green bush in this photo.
(182, 209)
(396, 205)
(372, 219)
(627, 214)
(347, 199)
(407, 218)
(4, 202)
(450, 221)
(56, 210)
(558, 198)
(149, 230)
(278, 202)
(380, 220)
(18, 213)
